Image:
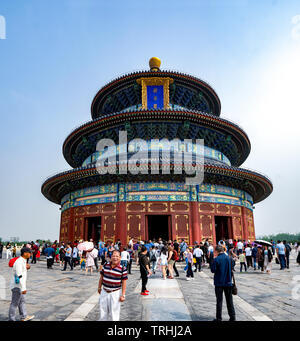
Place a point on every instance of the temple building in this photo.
(155, 105)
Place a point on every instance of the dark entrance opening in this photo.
(93, 225)
(223, 228)
(159, 226)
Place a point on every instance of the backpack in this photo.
(12, 262)
(153, 257)
(175, 255)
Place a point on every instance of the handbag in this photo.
(234, 288)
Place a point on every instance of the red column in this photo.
(121, 227)
(245, 224)
(85, 231)
(60, 227)
(196, 234)
(214, 238)
(254, 234)
(71, 226)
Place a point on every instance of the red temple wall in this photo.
(192, 221)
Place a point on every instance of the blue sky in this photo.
(57, 54)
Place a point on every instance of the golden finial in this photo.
(154, 64)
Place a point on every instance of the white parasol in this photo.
(85, 246)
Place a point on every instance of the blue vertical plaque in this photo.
(155, 96)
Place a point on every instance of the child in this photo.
(82, 263)
(38, 255)
(57, 254)
(242, 258)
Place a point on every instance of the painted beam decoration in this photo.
(156, 192)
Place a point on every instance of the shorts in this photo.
(171, 262)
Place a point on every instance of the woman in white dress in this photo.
(268, 259)
(163, 261)
(89, 262)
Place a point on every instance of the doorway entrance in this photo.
(158, 226)
(93, 228)
(223, 228)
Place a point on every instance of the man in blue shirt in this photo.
(281, 254)
(273, 246)
(101, 244)
(102, 253)
(148, 245)
(222, 268)
(49, 253)
(67, 258)
(182, 246)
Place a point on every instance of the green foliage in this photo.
(289, 237)
(40, 241)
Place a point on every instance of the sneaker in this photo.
(28, 318)
(192, 278)
(147, 291)
(188, 279)
(144, 293)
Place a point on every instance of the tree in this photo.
(289, 237)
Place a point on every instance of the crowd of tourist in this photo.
(152, 256)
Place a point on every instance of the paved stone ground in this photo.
(131, 309)
(270, 294)
(200, 299)
(54, 295)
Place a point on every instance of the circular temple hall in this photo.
(155, 105)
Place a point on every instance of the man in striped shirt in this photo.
(112, 288)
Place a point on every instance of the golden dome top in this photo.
(154, 63)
